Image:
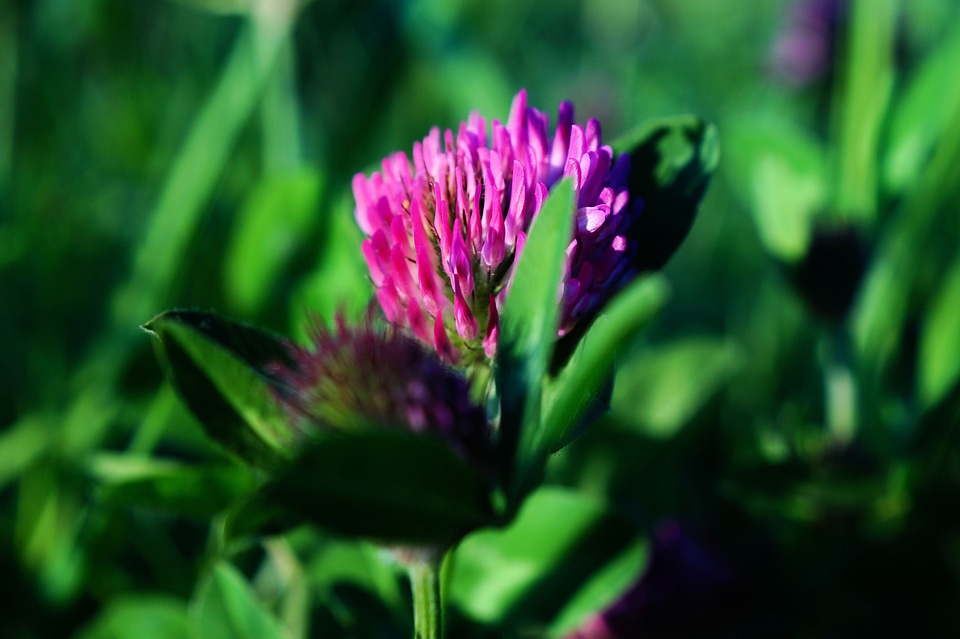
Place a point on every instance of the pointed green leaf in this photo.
(226, 373)
(227, 608)
(389, 485)
(671, 163)
(528, 331)
(939, 369)
(572, 397)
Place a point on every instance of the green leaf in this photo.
(340, 282)
(602, 589)
(140, 616)
(143, 482)
(527, 570)
(921, 116)
(384, 484)
(22, 444)
(863, 93)
(227, 608)
(528, 331)
(671, 163)
(572, 397)
(659, 390)
(783, 180)
(200, 162)
(274, 221)
(226, 373)
(939, 369)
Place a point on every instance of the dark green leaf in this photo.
(227, 608)
(385, 484)
(671, 162)
(528, 329)
(196, 491)
(226, 373)
(575, 396)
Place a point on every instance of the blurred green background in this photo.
(797, 399)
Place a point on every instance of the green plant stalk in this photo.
(427, 599)
(840, 390)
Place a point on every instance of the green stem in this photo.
(840, 390)
(427, 602)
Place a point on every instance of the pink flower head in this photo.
(444, 230)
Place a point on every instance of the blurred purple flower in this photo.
(688, 589)
(806, 49)
(355, 376)
(445, 230)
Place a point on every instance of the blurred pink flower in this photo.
(356, 376)
(806, 49)
(445, 230)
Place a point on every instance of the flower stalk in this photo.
(427, 599)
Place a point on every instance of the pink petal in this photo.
(493, 330)
(418, 323)
(466, 322)
(441, 341)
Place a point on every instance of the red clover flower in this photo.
(445, 230)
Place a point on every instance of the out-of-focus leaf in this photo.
(571, 397)
(922, 114)
(384, 484)
(140, 616)
(867, 82)
(237, 7)
(671, 163)
(940, 343)
(528, 569)
(782, 178)
(227, 608)
(276, 216)
(355, 562)
(200, 162)
(340, 282)
(602, 589)
(21, 445)
(660, 390)
(528, 329)
(926, 218)
(224, 372)
(142, 482)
